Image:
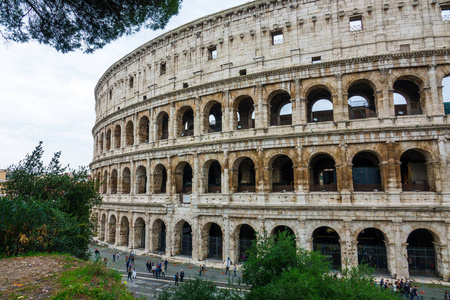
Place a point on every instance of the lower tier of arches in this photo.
(401, 242)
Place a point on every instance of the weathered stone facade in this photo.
(324, 118)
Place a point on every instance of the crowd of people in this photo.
(405, 288)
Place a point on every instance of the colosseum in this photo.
(325, 118)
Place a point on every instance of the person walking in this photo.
(97, 254)
(181, 275)
(130, 272)
(203, 270)
(163, 271)
(415, 293)
(166, 263)
(114, 257)
(134, 273)
(200, 271)
(234, 269)
(446, 296)
(176, 278)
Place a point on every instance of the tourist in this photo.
(97, 254)
(446, 296)
(134, 273)
(234, 269)
(129, 270)
(166, 263)
(176, 278)
(200, 271)
(114, 257)
(163, 271)
(203, 270)
(181, 276)
(381, 283)
(117, 257)
(415, 293)
(153, 269)
(148, 266)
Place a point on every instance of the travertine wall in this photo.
(401, 48)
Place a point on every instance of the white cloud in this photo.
(49, 96)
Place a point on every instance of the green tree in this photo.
(81, 24)
(276, 269)
(47, 208)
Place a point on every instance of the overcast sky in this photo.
(48, 96)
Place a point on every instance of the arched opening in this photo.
(214, 177)
(160, 180)
(361, 101)
(139, 233)
(446, 94)
(372, 249)
(105, 182)
(246, 237)
(366, 173)
(186, 240)
(281, 110)
(108, 140)
(326, 241)
(282, 174)
(320, 106)
(214, 116)
(112, 229)
(114, 181)
(246, 176)
(323, 174)
(117, 137)
(141, 180)
(187, 122)
(282, 228)
(163, 126)
(100, 144)
(102, 227)
(124, 232)
(126, 181)
(245, 113)
(421, 252)
(183, 178)
(129, 135)
(414, 171)
(144, 130)
(215, 245)
(159, 237)
(407, 98)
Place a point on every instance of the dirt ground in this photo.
(32, 277)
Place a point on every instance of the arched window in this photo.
(183, 178)
(323, 173)
(163, 126)
(372, 249)
(114, 181)
(407, 98)
(160, 180)
(320, 106)
(129, 133)
(117, 137)
(246, 237)
(414, 171)
(141, 180)
(187, 122)
(421, 252)
(446, 94)
(214, 177)
(108, 140)
(105, 182)
(282, 174)
(326, 241)
(126, 181)
(281, 110)
(214, 117)
(100, 144)
(366, 173)
(245, 113)
(361, 101)
(144, 129)
(246, 176)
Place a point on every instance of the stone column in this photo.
(106, 227)
(260, 109)
(149, 177)
(444, 166)
(117, 239)
(196, 240)
(198, 118)
(131, 237)
(226, 238)
(135, 130)
(169, 238)
(123, 133)
(196, 175)
(172, 123)
(433, 102)
(132, 178)
(148, 233)
(340, 111)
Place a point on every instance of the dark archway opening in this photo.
(246, 237)
(283, 174)
(366, 173)
(186, 240)
(372, 249)
(281, 110)
(326, 241)
(323, 174)
(215, 244)
(421, 253)
(245, 114)
(215, 178)
(414, 171)
(246, 176)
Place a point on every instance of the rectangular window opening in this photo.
(277, 37)
(316, 59)
(131, 82)
(212, 53)
(405, 48)
(445, 13)
(162, 68)
(185, 85)
(145, 97)
(355, 23)
(242, 72)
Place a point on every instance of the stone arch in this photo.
(160, 179)
(185, 121)
(108, 139)
(213, 116)
(162, 123)
(243, 237)
(139, 233)
(326, 240)
(366, 172)
(159, 232)
(424, 252)
(105, 182)
(372, 249)
(244, 112)
(144, 130)
(212, 176)
(281, 228)
(117, 137)
(126, 180)
(114, 181)
(281, 173)
(124, 233)
(103, 227)
(319, 104)
(129, 134)
(244, 175)
(361, 99)
(322, 173)
(182, 242)
(100, 143)
(280, 108)
(141, 180)
(211, 241)
(416, 170)
(408, 95)
(183, 178)
(112, 229)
